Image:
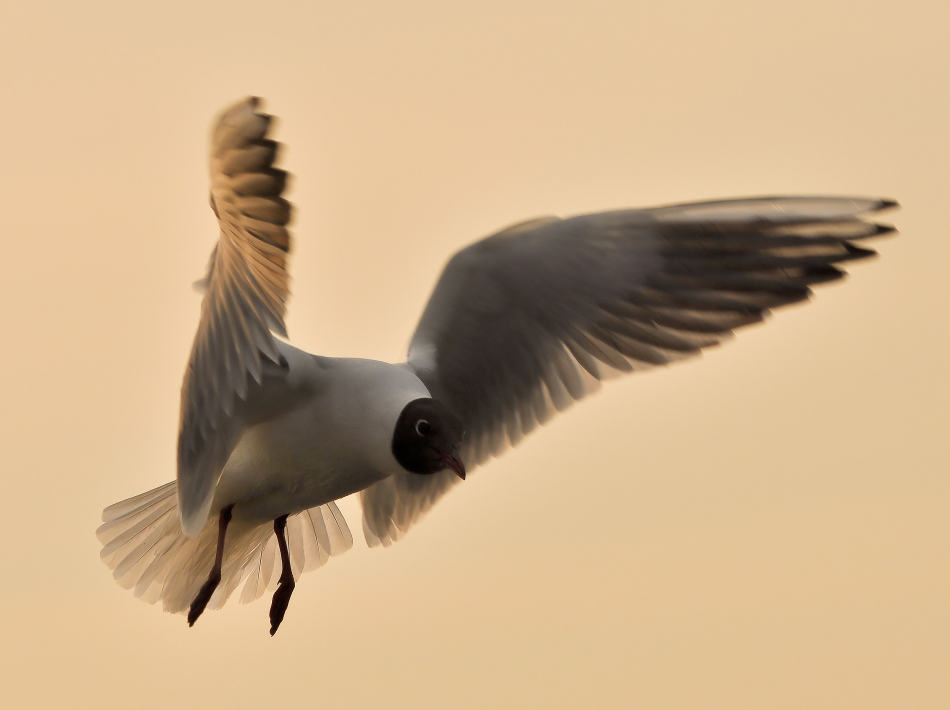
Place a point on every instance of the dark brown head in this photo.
(427, 438)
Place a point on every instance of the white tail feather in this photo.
(144, 545)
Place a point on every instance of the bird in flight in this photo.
(520, 325)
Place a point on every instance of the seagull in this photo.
(521, 324)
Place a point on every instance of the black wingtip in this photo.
(888, 204)
(857, 252)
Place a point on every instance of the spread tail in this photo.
(144, 546)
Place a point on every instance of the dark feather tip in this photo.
(859, 252)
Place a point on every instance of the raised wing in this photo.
(246, 290)
(527, 321)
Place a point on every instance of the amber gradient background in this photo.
(767, 527)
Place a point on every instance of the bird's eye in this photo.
(423, 428)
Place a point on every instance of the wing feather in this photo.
(245, 294)
(527, 321)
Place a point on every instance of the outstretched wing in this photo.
(246, 290)
(527, 321)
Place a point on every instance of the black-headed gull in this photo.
(520, 325)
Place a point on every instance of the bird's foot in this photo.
(203, 597)
(278, 605)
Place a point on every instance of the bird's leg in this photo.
(286, 584)
(207, 589)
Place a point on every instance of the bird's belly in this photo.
(272, 473)
(308, 489)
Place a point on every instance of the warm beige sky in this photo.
(768, 527)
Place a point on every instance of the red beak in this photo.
(455, 463)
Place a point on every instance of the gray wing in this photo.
(527, 321)
(246, 289)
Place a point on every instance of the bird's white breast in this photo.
(338, 442)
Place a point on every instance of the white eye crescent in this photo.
(422, 427)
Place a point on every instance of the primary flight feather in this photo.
(520, 325)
